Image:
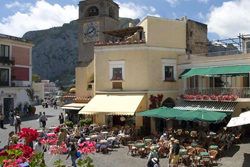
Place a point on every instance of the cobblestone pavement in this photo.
(238, 156)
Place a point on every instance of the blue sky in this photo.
(225, 18)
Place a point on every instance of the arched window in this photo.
(169, 102)
(93, 11)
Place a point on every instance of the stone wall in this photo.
(196, 37)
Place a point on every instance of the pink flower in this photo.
(55, 149)
(87, 147)
(50, 135)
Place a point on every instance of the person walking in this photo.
(66, 117)
(17, 123)
(39, 119)
(175, 153)
(43, 119)
(61, 118)
(1, 119)
(11, 118)
(152, 154)
(40, 148)
(73, 154)
(55, 104)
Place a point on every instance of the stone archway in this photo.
(169, 102)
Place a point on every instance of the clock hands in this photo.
(90, 31)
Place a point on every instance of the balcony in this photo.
(110, 43)
(240, 92)
(7, 60)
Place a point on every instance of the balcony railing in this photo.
(7, 60)
(221, 53)
(242, 92)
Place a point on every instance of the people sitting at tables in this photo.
(82, 139)
(163, 137)
(122, 131)
(157, 133)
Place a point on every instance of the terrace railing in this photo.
(242, 92)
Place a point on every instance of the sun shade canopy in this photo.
(239, 70)
(113, 105)
(202, 115)
(243, 119)
(162, 112)
(124, 32)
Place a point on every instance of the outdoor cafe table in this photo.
(183, 151)
(94, 136)
(214, 147)
(204, 154)
(194, 144)
(87, 139)
(140, 144)
(111, 138)
(146, 140)
(103, 141)
(104, 132)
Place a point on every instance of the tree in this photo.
(36, 78)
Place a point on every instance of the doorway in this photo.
(8, 104)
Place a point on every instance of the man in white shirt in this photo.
(39, 148)
(163, 137)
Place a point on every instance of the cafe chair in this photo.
(237, 138)
(213, 154)
(201, 150)
(221, 149)
(140, 150)
(206, 161)
(131, 149)
(104, 148)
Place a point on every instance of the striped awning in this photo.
(207, 105)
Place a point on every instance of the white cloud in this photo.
(203, 1)
(41, 15)
(133, 10)
(230, 19)
(201, 16)
(172, 3)
(155, 15)
(20, 6)
(152, 9)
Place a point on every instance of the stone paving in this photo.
(238, 156)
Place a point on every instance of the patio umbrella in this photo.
(202, 115)
(162, 112)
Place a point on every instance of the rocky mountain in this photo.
(56, 51)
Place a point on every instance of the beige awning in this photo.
(113, 105)
(75, 105)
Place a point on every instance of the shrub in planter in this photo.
(69, 124)
(86, 121)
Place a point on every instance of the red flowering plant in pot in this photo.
(205, 97)
(234, 97)
(226, 97)
(190, 97)
(198, 97)
(213, 97)
(183, 96)
(220, 97)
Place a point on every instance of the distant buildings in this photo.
(15, 72)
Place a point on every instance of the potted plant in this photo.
(198, 97)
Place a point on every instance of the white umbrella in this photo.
(243, 119)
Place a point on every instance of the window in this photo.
(169, 73)
(211, 81)
(93, 11)
(4, 77)
(194, 82)
(169, 69)
(117, 74)
(247, 46)
(4, 51)
(117, 70)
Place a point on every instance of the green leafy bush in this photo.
(69, 124)
(86, 121)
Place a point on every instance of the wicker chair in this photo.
(213, 154)
(206, 161)
(237, 138)
(221, 149)
(201, 150)
(132, 149)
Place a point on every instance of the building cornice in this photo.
(135, 47)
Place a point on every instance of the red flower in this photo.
(87, 147)
(28, 134)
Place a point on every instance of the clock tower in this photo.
(94, 16)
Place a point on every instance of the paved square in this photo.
(238, 156)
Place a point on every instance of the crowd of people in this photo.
(50, 102)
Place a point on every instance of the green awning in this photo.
(239, 70)
(162, 112)
(202, 115)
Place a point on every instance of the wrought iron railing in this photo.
(242, 92)
(7, 60)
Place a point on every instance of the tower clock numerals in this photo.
(91, 32)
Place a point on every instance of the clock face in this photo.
(91, 32)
